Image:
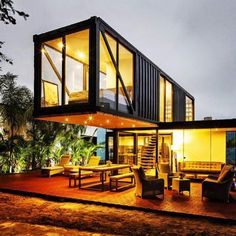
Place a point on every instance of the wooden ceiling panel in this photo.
(101, 120)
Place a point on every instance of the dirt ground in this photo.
(34, 216)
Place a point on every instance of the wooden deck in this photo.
(173, 202)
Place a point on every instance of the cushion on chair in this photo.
(225, 173)
(53, 168)
(141, 173)
(164, 167)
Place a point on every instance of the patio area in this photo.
(57, 186)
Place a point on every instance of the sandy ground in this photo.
(33, 216)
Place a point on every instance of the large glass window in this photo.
(77, 67)
(162, 99)
(166, 100)
(169, 102)
(188, 109)
(107, 90)
(126, 71)
(51, 79)
(231, 147)
(110, 83)
(76, 70)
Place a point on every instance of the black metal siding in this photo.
(179, 104)
(147, 83)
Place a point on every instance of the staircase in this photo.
(147, 159)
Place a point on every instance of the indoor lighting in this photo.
(81, 55)
(66, 119)
(85, 122)
(107, 121)
(122, 123)
(60, 45)
(133, 125)
(90, 117)
(42, 50)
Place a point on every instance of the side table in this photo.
(181, 185)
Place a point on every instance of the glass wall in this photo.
(166, 101)
(107, 85)
(231, 147)
(197, 145)
(76, 48)
(51, 79)
(162, 99)
(77, 67)
(188, 109)
(111, 92)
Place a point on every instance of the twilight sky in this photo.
(194, 41)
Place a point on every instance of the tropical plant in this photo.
(16, 100)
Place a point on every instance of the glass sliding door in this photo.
(126, 149)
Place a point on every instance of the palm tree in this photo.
(15, 101)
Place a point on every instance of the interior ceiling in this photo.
(77, 45)
(101, 120)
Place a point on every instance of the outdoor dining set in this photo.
(123, 176)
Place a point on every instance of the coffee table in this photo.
(181, 185)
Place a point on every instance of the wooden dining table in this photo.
(102, 169)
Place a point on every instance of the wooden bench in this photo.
(116, 179)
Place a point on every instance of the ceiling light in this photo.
(133, 125)
(81, 55)
(85, 122)
(107, 121)
(66, 119)
(90, 117)
(122, 123)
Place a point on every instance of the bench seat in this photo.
(116, 179)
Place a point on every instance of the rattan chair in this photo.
(147, 186)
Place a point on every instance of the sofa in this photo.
(200, 168)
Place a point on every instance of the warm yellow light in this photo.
(133, 125)
(90, 117)
(42, 50)
(122, 123)
(85, 122)
(81, 55)
(60, 45)
(66, 119)
(107, 121)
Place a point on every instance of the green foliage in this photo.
(26, 143)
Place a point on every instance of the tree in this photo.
(7, 16)
(16, 100)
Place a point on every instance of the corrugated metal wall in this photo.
(148, 89)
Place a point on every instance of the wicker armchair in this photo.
(147, 186)
(218, 188)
